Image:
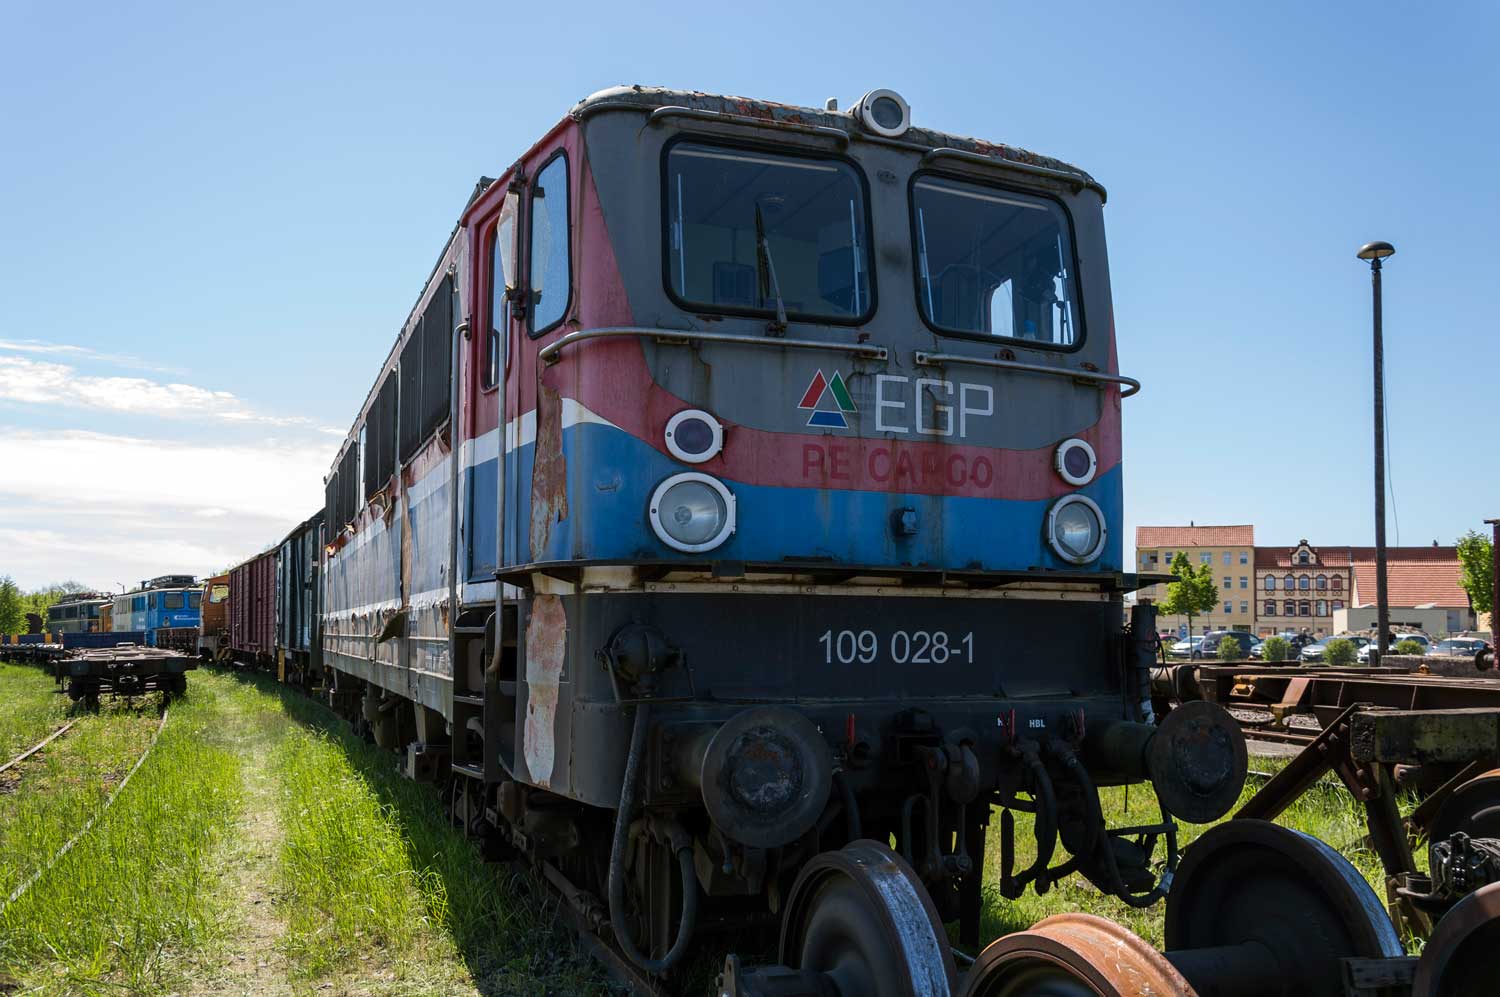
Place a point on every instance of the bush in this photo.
(1409, 646)
(1340, 652)
(1230, 650)
(1276, 649)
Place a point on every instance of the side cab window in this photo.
(504, 274)
(550, 259)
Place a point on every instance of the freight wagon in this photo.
(299, 603)
(252, 610)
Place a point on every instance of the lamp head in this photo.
(1375, 251)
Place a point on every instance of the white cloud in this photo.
(82, 353)
(107, 509)
(43, 382)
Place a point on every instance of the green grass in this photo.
(29, 708)
(132, 896)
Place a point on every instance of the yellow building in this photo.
(1231, 551)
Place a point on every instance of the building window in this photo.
(1206, 557)
(1305, 608)
(1270, 583)
(1168, 556)
(1322, 583)
(1291, 608)
(1322, 608)
(1226, 558)
(1270, 607)
(1291, 583)
(1303, 557)
(1244, 607)
(1228, 608)
(1228, 582)
(1146, 559)
(1244, 582)
(1338, 604)
(1244, 557)
(1338, 583)
(1304, 583)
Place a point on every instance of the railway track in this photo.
(37, 747)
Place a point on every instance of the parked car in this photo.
(1185, 648)
(1210, 646)
(1314, 652)
(1460, 647)
(1423, 639)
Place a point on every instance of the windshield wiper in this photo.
(768, 273)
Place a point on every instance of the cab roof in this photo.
(648, 99)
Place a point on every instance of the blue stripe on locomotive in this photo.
(611, 475)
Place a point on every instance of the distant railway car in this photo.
(77, 613)
(213, 623)
(106, 616)
(165, 609)
(299, 602)
(252, 610)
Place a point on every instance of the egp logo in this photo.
(898, 404)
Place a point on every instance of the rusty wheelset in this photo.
(1255, 909)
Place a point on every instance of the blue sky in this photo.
(234, 207)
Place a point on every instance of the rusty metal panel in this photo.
(252, 606)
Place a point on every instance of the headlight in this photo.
(692, 512)
(884, 112)
(1075, 529)
(694, 436)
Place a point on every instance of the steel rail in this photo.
(114, 794)
(925, 359)
(549, 353)
(38, 746)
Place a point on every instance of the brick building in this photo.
(1300, 588)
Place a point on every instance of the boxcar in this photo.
(299, 602)
(252, 610)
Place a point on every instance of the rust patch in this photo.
(546, 648)
(549, 472)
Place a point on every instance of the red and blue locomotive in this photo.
(746, 482)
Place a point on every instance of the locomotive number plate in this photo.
(901, 647)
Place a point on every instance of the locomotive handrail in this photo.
(979, 158)
(1130, 384)
(549, 353)
(703, 113)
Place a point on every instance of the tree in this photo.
(1477, 569)
(41, 600)
(1194, 593)
(1340, 651)
(12, 610)
(1229, 649)
(1276, 649)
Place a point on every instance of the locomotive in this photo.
(735, 524)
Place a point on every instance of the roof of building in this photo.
(1415, 576)
(1194, 536)
(1285, 557)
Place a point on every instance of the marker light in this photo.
(694, 436)
(692, 512)
(884, 112)
(1075, 461)
(1075, 529)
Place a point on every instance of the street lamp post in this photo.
(1374, 252)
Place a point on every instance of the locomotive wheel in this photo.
(860, 917)
(1257, 898)
(1473, 808)
(1073, 955)
(1459, 958)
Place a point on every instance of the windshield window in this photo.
(746, 228)
(994, 263)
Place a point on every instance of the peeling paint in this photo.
(546, 647)
(549, 474)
